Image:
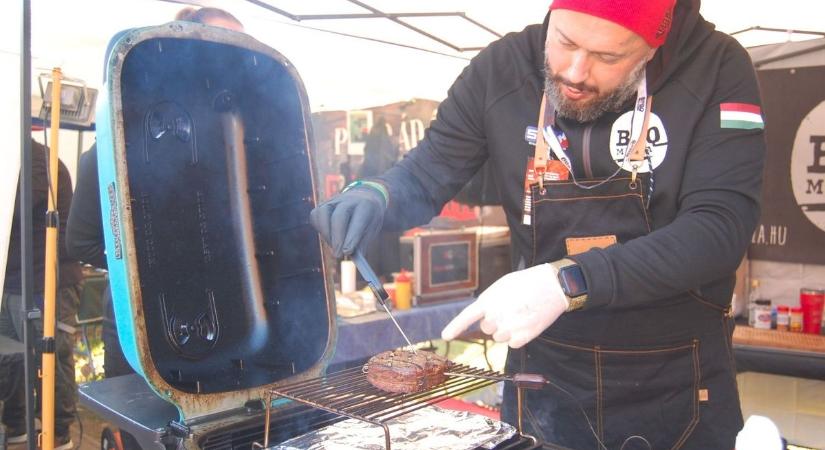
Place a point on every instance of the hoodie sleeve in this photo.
(453, 149)
(718, 208)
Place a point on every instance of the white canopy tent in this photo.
(345, 63)
(344, 72)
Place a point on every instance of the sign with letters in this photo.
(792, 225)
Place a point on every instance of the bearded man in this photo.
(627, 142)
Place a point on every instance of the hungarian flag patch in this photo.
(743, 116)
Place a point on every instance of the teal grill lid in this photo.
(219, 283)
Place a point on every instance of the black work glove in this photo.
(351, 219)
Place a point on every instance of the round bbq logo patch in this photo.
(655, 149)
(808, 166)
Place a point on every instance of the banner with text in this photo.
(792, 225)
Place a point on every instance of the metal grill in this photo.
(348, 393)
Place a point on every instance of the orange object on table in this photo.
(403, 290)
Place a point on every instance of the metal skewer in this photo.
(481, 377)
(378, 289)
(522, 380)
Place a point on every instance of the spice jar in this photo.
(796, 319)
(783, 317)
(762, 311)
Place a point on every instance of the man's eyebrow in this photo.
(566, 38)
(608, 54)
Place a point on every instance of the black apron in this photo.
(659, 376)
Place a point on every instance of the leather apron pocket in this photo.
(629, 395)
(562, 210)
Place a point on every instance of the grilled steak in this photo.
(403, 371)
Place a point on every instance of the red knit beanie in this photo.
(650, 19)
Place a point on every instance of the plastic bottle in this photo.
(347, 277)
(773, 317)
(403, 290)
(753, 295)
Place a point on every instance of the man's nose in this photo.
(579, 69)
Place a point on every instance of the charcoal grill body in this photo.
(206, 178)
(129, 404)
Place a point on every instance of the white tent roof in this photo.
(789, 55)
(344, 72)
(340, 71)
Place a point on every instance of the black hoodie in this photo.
(706, 200)
(69, 269)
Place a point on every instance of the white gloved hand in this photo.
(516, 308)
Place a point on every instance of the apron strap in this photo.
(638, 151)
(540, 155)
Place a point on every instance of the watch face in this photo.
(572, 281)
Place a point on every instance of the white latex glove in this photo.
(516, 308)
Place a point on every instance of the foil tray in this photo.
(422, 428)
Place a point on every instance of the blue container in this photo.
(219, 283)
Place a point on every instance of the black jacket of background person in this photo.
(84, 238)
(70, 273)
(707, 189)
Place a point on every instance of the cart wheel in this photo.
(108, 441)
(115, 439)
(129, 442)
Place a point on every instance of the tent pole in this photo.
(50, 273)
(26, 221)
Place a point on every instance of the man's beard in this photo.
(595, 107)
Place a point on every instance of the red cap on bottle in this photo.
(403, 277)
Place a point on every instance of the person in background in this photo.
(210, 16)
(13, 310)
(381, 153)
(13, 384)
(623, 255)
(85, 227)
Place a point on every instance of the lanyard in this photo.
(556, 140)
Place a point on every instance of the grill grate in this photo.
(348, 393)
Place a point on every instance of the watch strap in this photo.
(573, 303)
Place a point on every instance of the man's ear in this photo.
(651, 53)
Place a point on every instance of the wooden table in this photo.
(779, 352)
